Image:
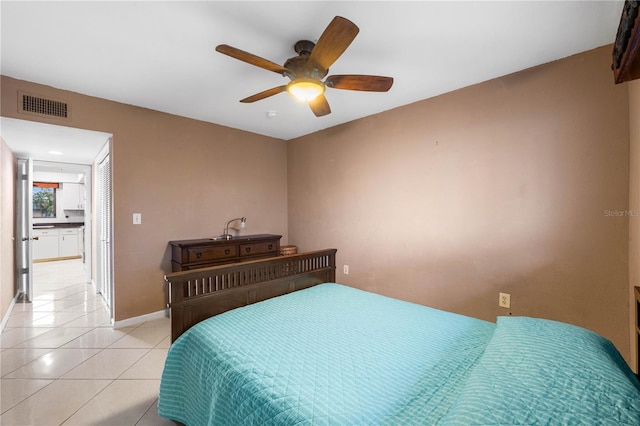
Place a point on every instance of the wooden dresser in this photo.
(201, 253)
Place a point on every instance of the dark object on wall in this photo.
(626, 58)
(43, 107)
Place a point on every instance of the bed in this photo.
(328, 354)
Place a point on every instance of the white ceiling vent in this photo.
(38, 105)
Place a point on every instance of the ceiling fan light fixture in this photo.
(306, 89)
(312, 64)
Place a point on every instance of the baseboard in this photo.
(140, 319)
(5, 320)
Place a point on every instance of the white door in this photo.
(24, 214)
(104, 255)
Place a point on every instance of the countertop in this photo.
(57, 225)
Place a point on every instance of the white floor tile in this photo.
(123, 402)
(143, 337)
(14, 391)
(166, 343)
(107, 364)
(86, 306)
(99, 337)
(54, 338)
(150, 366)
(15, 336)
(12, 359)
(160, 322)
(151, 418)
(53, 305)
(26, 318)
(54, 403)
(62, 362)
(56, 319)
(92, 319)
(53, 364)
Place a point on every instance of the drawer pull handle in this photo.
(270, 246)
(227, 251)
(248, 249)
(198, 255)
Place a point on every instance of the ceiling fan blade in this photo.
(320, 106)
(367, 83)
(333, 42)
(251, 59)
(265, 94)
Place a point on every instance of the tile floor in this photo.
(61, 363)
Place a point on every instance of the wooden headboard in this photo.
(202, 293)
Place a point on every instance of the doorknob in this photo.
(27, 238)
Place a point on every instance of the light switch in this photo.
(137, 218)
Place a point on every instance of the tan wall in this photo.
(8, 169)
(498, 187)
(634, 206)
(186, 177)
(502, 186)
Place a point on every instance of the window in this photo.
(44, 199)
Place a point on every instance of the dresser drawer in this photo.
(208, 254)
(253, 249)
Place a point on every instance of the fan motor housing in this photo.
(298, 64)
(304, 47)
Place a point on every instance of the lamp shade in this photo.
(306, 89)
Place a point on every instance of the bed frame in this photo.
(202, 293)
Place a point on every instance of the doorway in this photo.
(77, 171)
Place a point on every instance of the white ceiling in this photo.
(46, 142)
(160, 55)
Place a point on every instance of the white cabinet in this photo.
(73, 196)
(68, 242)
(47, 245)
(56, 243)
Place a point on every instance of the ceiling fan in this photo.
(307, 70)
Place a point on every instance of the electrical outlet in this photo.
(345, 269)
(504, 301)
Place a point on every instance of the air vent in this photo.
(33, 104)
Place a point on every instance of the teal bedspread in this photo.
(334, 355)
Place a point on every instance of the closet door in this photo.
(104, 273)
